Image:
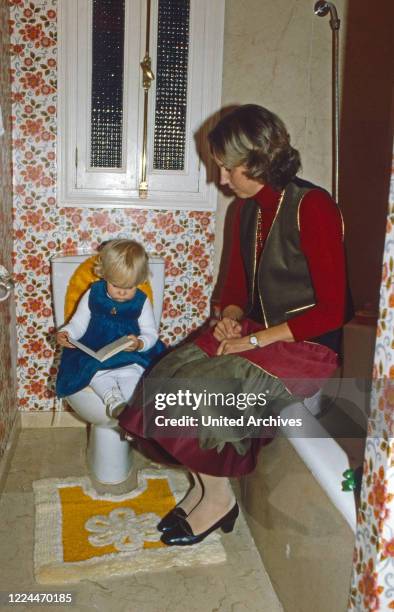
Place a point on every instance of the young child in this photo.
(112, 307)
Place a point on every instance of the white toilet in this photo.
(109, 457)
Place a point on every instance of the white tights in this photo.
(124, 380)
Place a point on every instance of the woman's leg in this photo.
(217, 500)
(193, 496)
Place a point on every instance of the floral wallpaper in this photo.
(373, 572)
(8, 409)
(43, 230)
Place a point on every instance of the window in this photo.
(113, 132)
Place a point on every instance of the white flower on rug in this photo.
(123, 529)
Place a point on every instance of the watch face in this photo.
(253, 340)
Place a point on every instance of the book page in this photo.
(107, 351)
(113, 348)
(83, 348)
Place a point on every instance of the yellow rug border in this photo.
(49, 567)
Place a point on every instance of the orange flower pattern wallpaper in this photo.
(43, 229)
(8, 409)
(373, 571)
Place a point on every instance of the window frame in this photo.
(187, 189)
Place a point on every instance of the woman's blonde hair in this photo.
(123, 263)
(253, 136)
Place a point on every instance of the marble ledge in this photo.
(59, 418)
(9, 451)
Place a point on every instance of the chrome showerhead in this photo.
(322, 9)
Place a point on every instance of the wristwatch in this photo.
(254, 341)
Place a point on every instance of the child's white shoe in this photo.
(116, 411)
(114, 403)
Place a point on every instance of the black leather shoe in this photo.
(182, 534)
(171, 519)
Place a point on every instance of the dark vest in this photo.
(279, 285)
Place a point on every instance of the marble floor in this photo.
(239, 585)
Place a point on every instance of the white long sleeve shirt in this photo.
(79, 322)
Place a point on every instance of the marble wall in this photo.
(8, 409)
(277, 53)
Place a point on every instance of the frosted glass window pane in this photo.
(107, 83)
(171, 84)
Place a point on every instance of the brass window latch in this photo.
(147, 74)
(147, 78)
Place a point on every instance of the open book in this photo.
(107, 351)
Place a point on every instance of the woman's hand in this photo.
(136, 344)
(227, 328)
(63, 340)
(277, 333)
(234, 345)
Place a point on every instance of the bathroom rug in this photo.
(81, 534)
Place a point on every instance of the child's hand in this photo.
(62, 339)
(135, 344)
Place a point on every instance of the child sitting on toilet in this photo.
(111, 308)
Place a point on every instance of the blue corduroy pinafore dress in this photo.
(109, 321)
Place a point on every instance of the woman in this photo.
(282, 309)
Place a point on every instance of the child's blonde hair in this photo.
(123, 263)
